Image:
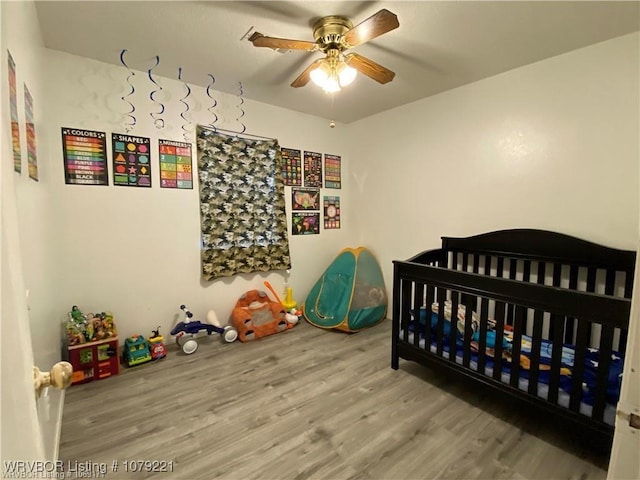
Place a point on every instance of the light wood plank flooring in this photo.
(308, 403)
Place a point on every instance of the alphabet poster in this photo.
(312, 169)
(85, 157)
(291, 167)
(131, 160)
(176, 170)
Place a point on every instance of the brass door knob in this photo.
(58, 377)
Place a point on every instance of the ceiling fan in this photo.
(334, 35)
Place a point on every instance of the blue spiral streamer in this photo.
(214, 104)
(187, 122)
(244, 128)
(157, 120)
(132, 123)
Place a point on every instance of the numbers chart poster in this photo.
(176, 168)
(291, 167)
(13, 107)
(312, 169)
(32, 158)
(305, 199)
(303, 223)
(331, 212)
(332, 176)
(131, 160)
(85, 157)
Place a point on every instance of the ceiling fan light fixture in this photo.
(320, 74)
(332, 84)
(346, 74)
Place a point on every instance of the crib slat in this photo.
(468, 331)
(497, 358)
(513, 268)
(500, 267)
(440, 327)
(431, 293)
(582, 337)
(536, 336)
(418, 298)
(518, 324)
(482, 344)
(602, 377)
(453, 326)
(526, 271)
(557, 324)
(476, 263)
(573, 285)
(405, 315)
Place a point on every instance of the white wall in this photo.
(553, 145)
(25, 253)
(135, 251)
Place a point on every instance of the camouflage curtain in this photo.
(242, 208)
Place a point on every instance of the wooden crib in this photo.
(536, 315)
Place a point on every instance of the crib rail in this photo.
(545, 313)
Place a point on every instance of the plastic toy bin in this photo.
(94, 360)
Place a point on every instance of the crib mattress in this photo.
(523, 382)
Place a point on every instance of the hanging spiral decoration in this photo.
(214, 102)
(244, 128)
(130, 114)
(157, 120)
(185, 129)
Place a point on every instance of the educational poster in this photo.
(13, 107)
(176, 168)
(305, 199)
(303, 223)
(312, 169)
(32, 159)
(332, 175)
(131, 160)
(291, 167)
(85, 157)
(331, 212)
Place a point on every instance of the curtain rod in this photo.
(232, 132)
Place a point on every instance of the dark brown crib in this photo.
(536, 315)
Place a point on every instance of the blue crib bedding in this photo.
(591, 361)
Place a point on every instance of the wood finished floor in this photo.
(309, 404)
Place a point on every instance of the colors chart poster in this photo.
(32, 158)
(176, 168)
(131, 160)
(331, 207)
(312, 169)
(303, 223)
(13, 107)
(305, 199)
(332, 176)
(291, 167)
(85, 157)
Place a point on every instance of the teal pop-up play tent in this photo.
(350, 295)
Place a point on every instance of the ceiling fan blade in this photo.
(382, 22)
(259, 40)
(369, 68)
(305, 76)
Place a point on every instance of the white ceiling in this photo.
(438, 46)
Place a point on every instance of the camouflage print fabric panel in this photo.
(242, 206)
